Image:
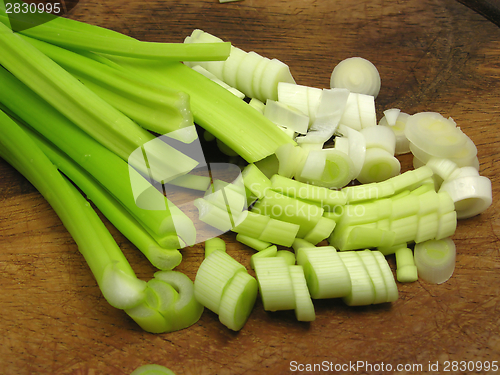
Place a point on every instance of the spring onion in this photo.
(380, 137)
(79, 104)
(470, 192)
(214, 244)
(212, 277)
(379, 165)
(304, 308)
(406, 269)
(326, 274)
(116, 279)
(251, 242)
(275, 283)
(396, 120)
(435, 260)
(152, 369)
(154, 107)
(105, 166)
(358, 75)
(160, 257)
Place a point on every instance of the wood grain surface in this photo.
(433, 55)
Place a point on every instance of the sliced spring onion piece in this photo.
(398, 127)
(434, 134)
(297, 189)
(214, 274)
(251, 224)
(291, 158)
(406, 271)
(257, 104)
(288, 209)
(185, 310)
(213, 215)
(304, 308)
(376, 276)
(280, 232)
(337, 172)
(326, 274)
(357, 74)
(380, 137)
(255, 180)
(367, 113)
(362, 288)
(357, 148)
(275, 283)
(321, 231)
(390, 282)
(294, 95)
(472, 195)
(238, 301)
(351, 116)
(391, 116)
(214, 244)
(379, 166)
(152, 369)
(435, 260)
(271, 251)
(287, 116)
(288, 255)
(254, 243)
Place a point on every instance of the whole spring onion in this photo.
(116, 279)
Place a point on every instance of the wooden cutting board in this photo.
(433, 55)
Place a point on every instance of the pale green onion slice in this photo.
(286, 116)
(152, 369)
(402, 143)
(254, 243)
(271, 251)
(288, 255)
(375, 273)
(338, 169)
(291, 159)
(362, 288)
(351, 116)
(434, 134)
(185, 310)
(321, 231)
(304, 308)
(238, 301)
(390, 282)
(380, 137)
(274, 73)
(326, 274)
(379, 166)
(357, 148)
(275, 283)
(435, 260)
(358, 75)
(212, 277)
(472, 195)
(367, 112)
(406, 271)
(294, 95)
(214, 244)
(257, 104)
(391, 116)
